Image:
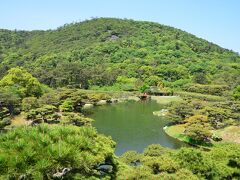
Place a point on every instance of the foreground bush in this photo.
(221, 162)
(45, 152)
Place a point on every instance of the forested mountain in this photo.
(107, 51)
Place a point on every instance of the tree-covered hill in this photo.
(108, 52)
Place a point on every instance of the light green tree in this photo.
(24, 82)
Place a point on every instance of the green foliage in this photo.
(204, 97)
(197, 162)
(198, 132)
(131, 158)
(29, 103)
(42, 151)
(61, 106)
(50, 98)
(180, 110)
(218, 115)
(66, 106)
(153, 80)
(219, 162)
(46, 113)
(74, 119)
(200, 119)
(236, 93)
(127, 84)
(201, 78)
(161, 164)
(25, 84)
(144, 88)
(155, 150)
(200, 116)
(95, 97)
(213, 164)
(4, 121)
(9, 102)
(207, 89)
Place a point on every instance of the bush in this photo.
(207, 89)
(26, 84)
(46, 113)
(66, 106)
(74, 119)
(5, 122)
(200, 96)
(44, 151)
(179, 111)
(236, 93)
(29, 103)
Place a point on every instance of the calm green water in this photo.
(133, 126)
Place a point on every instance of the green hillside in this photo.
(107, 51)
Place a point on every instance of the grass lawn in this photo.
(166, 99)
(177, 131)
(19, 121)
(229, 134)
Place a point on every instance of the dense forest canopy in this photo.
(95, 53)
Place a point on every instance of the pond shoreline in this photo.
(158, 99)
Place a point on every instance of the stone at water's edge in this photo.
(114, 100)
(87, 106)
(101, 102)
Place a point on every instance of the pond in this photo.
(133, 126)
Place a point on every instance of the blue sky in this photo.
(217, 21)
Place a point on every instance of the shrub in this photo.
(236, 93)
(74, 119)
(29, 103)
(207, 89)
(46, 113)
(26, 84)
(43, 151)
(66, 106)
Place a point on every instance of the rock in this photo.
(61, 174)
(105, 168)
(87, 106)
(113, 37)
(114, 100)
(101, 102)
